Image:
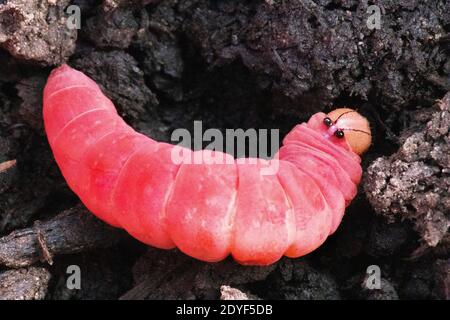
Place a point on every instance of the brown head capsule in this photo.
(353, 127)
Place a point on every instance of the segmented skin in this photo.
(208, 211)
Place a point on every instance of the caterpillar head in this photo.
(345, 123)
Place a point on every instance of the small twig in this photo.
(7, 165)
(7, 171)
(46, 255)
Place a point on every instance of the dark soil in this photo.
(232, 64)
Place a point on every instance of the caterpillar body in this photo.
(208, 211)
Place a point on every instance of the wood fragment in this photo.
(46, 255)
(7, 171)
(7, 165)
(229, 293)
(194, 279)
(74, 230)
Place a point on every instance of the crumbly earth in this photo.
(24, 284)
(37, 30)
(232, 64)
(414, 183)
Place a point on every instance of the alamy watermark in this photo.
(373, 277)
(73, 281)
(227, 148)
(374, 20)
(74, 19)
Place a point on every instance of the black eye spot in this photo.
(339, 134)
(328, 122)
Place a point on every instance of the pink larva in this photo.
(208, 211)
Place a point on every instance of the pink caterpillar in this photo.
(208, 211)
